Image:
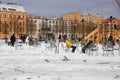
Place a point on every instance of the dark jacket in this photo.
(13, 39)
(110, 38)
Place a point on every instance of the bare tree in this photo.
(118, 2)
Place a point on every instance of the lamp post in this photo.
(103, 30)
(110, 27)
(5, 29)
(46, 29)
(93, 25)
(83, 21)
(75, 30)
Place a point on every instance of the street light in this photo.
(73, 29)
(83, 21)
(93, 26)
(46, 29)
(110, 27)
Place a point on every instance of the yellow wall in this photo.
(12, 23)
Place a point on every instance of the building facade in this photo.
(34, 25)
(90, 21)
(116, 21)
(12, 20)
(41, 25)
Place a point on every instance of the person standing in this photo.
(110, 39)
(59, 37)
(13, 39)
(27, 40)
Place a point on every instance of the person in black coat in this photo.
(110, 39)
(87, 46)
(12, 39)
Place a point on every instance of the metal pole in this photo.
(83, 27)
(110, 27)
(103, 31)
(46, 29)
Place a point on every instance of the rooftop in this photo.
(11, 7)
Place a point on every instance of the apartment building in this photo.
(12, 20)
(90, 20)
(40, 25)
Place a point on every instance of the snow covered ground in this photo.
(41, 63)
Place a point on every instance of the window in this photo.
(20, 23)
(14, 16)
(35, 21)
(10, 22)
(10, 9)
(14, 23)
(23, 23)
(0, 26)
(31, 21)
(4, 9)
(10, 29)
(113, 21)
(0, 15)
(56, 22)
(5, 16)
(10, 16)
(5, 22)
(53, 22)
(23, 30)
(20, 30)
(49, 21)
(19, 16)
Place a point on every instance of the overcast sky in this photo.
(51, 8)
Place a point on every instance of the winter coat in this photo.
(68, 43)
(30, 41)
(27, 39)
(110, 38)
(13, 39)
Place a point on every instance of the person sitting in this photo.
(70, 45)
(87, 46)
(31, 41)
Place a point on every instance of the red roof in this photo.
(106, 21)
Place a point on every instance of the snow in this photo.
(11, 6)
(41, 63)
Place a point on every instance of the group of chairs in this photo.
(95, 49)
(32, 45)
(90, 50)
(106, 49)
(51, 45)
(110, 49)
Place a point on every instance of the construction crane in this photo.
(118, 2)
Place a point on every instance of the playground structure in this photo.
(101, 32)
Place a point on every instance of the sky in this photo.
(52, 8)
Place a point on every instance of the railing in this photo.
(93, 34)
(99, 34)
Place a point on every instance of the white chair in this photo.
(117, 48)
(108, 49)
